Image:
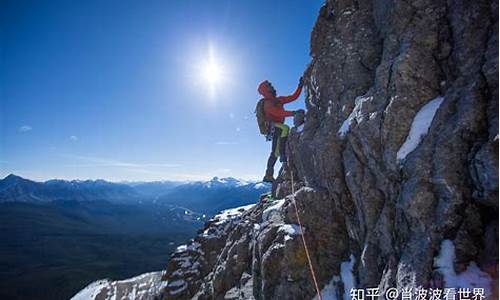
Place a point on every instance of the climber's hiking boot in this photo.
(265, 197)
(267, 200)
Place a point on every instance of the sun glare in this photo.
(212, 72)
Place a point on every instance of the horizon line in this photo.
(200, 179)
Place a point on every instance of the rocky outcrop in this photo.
(395, 169)
(147, 286)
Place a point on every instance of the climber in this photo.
(275, 115)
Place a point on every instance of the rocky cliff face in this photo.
(395, 170)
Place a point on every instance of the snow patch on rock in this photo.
(346, 273)
(290, 230)
(178, 285)
(181, 248)
(230, 214)
(276, 207)
(471, 278)
(300, 128)
(355, 115)
(222, 221)
(143, 287)
(419, 127)
(329, 292)
(92, 290)
(212, 232)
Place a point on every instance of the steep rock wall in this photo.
(398, 160)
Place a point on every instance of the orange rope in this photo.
(313, 274)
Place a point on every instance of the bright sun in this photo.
(212, 72)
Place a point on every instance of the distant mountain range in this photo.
(57, 236)
(18, 189)
(214, 195)
(201, 196)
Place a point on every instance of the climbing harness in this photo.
(313, 274)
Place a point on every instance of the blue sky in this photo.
(112, 89)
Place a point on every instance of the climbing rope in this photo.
(313, 274)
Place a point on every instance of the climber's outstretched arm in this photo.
(292, 97)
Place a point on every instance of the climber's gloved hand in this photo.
(301, 81)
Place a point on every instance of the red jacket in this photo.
(273, 105)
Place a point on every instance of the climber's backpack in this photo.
(264, 125)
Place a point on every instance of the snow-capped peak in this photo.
(225, 182)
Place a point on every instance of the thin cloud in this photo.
(202, 175)
(103, 162)
(190, 177)
(225, 143)
(73, 138)
(25, 128)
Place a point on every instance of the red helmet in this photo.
(266, 89)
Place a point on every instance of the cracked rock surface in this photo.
(395, 169)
